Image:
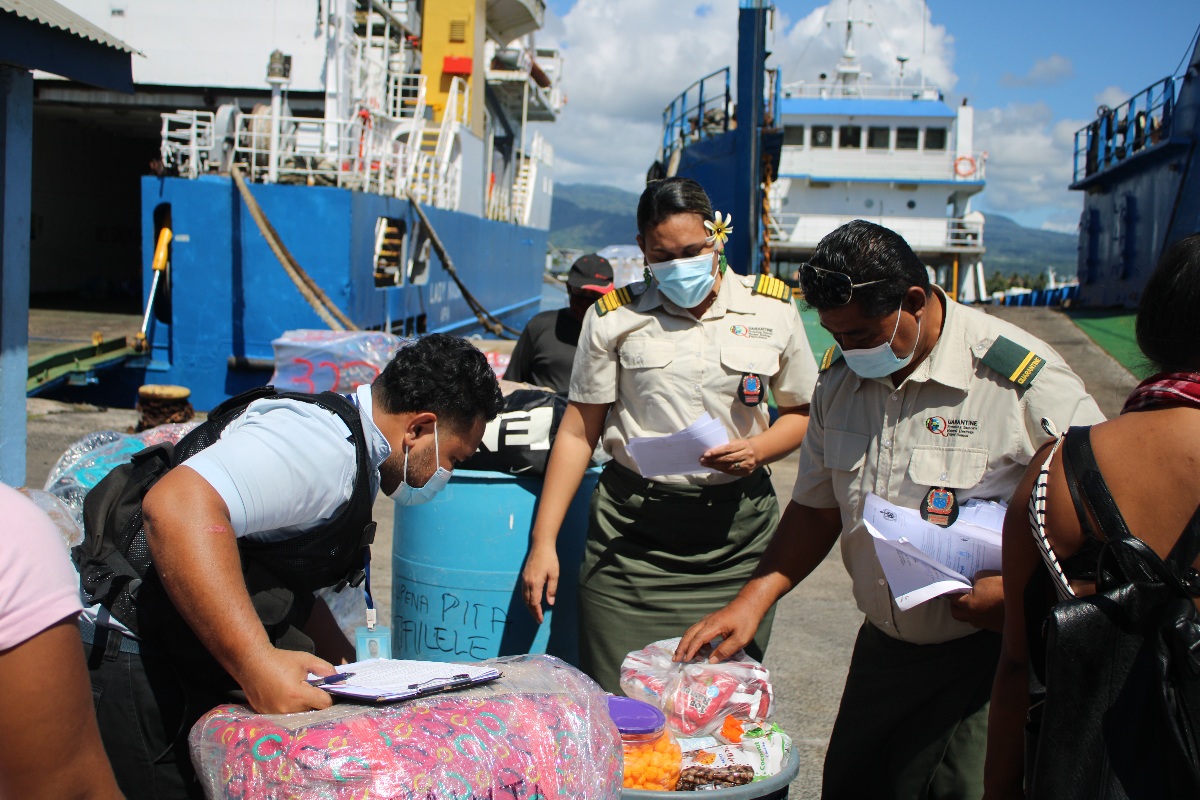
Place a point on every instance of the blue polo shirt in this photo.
(284, 467)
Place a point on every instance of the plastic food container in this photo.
(652, 757)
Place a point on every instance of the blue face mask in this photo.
(686, 281)
(406, 495)
(880, 361)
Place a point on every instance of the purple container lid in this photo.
(635, 717)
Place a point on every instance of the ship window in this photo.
(819, 184)
(850, 136)
(822, 136)
(458, 30)
(935, 138)
(389, 249)
(878, 138)
(906, 138)
(794, 135)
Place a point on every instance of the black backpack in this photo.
(114, 561)
(1122, 669)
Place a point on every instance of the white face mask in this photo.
(406, 495)
(686, 281)
(880, 361)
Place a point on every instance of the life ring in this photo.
(964, 166)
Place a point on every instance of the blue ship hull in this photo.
(230, 297)
(1139, 167)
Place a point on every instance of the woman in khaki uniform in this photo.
(653, 358)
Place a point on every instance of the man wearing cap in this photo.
(926, 404)
(546, 349)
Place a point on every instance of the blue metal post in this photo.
(16, 150)
(747, 195)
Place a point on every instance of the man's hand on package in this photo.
(736, 622)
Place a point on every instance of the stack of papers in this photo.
(921, 560)
(678, 453)
(384, 680)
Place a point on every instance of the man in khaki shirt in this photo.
(927, 404)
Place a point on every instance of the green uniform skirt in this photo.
(661, 556)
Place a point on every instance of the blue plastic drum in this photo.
(456, 564)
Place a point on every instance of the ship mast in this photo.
(849, 70)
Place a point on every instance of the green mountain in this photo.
(589, 217)
(1011, 247)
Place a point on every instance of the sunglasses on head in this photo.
(834, 287)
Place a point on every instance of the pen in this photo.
(454, 680)
(337, 677)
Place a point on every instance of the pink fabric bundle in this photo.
(487, 742)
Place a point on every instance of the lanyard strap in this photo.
(371, 617)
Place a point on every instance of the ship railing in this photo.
(922, 233)
(867, 91)
(187, 141)
(1141, 123)
(703, 109)
(353, 154)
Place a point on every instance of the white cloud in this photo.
(891, 28)
(1044, 72)
(1111, 96)
(625, 61)
(1029, 160)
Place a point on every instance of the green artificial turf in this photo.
(818, 338)
(1113, 330)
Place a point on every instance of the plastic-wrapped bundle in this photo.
(330, 361)
(541, 731)
(697, 696)
(58, 512)
(88, 460)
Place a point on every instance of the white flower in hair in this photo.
(719, 229)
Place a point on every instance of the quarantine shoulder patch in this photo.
(831, 357)
(1015, 362)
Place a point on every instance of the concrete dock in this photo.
(815, 625)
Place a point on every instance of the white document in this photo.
(387, 679)
(678, 453)
(922, 560)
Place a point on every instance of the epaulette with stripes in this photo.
(830, 358)
(1016, 362)
(614, 300)
(771, 286)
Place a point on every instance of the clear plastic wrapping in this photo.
(697, 696)
(541, 731)
(330, 361)
(88, 460)
(58, 512)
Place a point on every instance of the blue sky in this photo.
(1035, 72)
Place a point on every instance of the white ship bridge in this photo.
(895, 155)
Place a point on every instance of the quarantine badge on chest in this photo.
(940, 507)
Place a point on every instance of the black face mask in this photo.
(579, 303)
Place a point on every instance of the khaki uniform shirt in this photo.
(662, 369)
(955, 423)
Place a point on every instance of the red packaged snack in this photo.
(698, 696)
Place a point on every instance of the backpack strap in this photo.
(1083, 475)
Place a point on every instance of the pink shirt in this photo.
(38, 584)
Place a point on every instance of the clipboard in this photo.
(386, 680)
